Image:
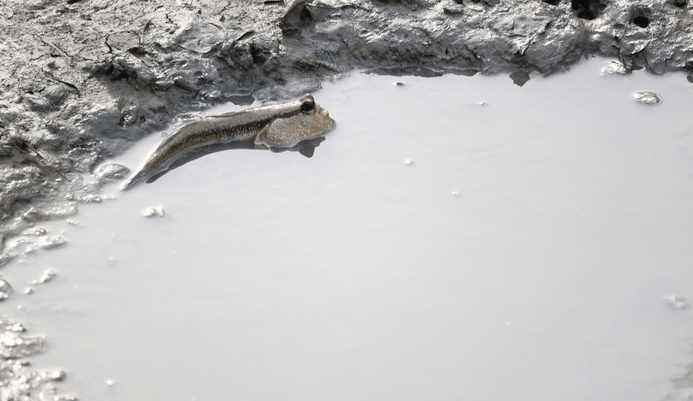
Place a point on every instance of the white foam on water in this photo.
(453, 238)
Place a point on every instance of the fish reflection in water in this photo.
(306, 148)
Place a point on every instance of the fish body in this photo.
(275, 125)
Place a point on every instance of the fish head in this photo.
(312, 121)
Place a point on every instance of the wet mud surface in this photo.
(82, 81)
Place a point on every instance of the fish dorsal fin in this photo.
(227, 114)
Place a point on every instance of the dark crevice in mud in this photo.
(412, 4)
(552, 2)
(587, 9)
(640, 18)
(296, 18)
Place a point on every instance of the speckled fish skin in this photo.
(288, 132)
(276, 125)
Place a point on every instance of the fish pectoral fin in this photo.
(260, 139)
(307, 151)
(307, 147)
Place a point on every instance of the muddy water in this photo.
(456, 237)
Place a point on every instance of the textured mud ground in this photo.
(80, 81)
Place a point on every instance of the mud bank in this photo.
(83, 80)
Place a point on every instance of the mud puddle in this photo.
(456, 237)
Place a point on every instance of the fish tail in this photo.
(132, 181)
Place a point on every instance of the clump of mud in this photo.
(18, 381)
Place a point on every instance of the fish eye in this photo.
(308, 104)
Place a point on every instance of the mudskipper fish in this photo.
(296, 125)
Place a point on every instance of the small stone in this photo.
(112, 171)
(37, 231)
(154, 211)
(28, 290)
(5, 290)
(409, 162)
(614, 67)
(184, 84)
(83, 198)
(55, 94)
(677, 301)
(647, 97)
(58, 375)
(47, 276)
(455, 193)
(9, 325)
(53, 242)
(110, 382)
(398, 83)
(163, 85)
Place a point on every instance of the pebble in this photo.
(112, 171)
(52, 242)
(83, 198)
(5, 289)
(647, 97)
(57, 375)
(614, 67)
(409, 162)
(677, 301)
(47, 276)
(154, 211)
(37, 231)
